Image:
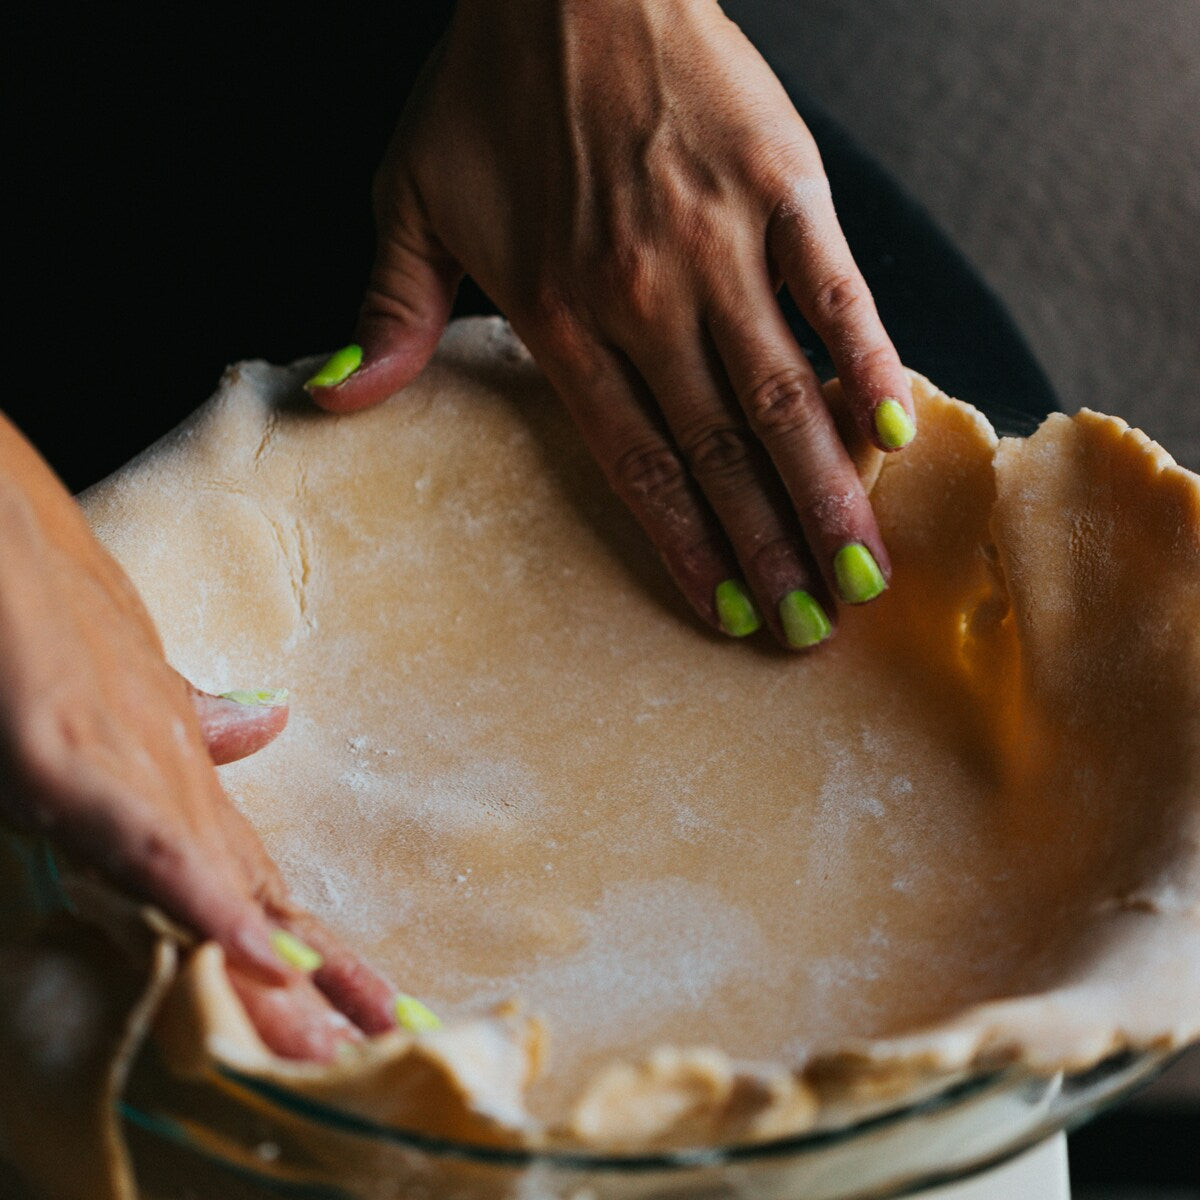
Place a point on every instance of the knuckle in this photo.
(397, 243)
(784, 403)
(875, 356)
(838, 298)
(791, 167)
(54, 735)
(159, 857)
(792, 182)
(631, 288)
(553, 313)
(775, 560)
(649, 476)
(720, 453)
(270, 892)
(390, 298)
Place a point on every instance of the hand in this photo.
(108, 752)
(629, 182)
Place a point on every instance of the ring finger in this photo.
(735, 474)
(787, 411)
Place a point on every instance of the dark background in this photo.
(192, 189)
(189, 186)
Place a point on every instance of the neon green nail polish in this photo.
(735, 609)
(893, 424)
(338, 367)
(414, 1016)
(804, 620)
(859, 578)
(262, 697)
(294, 952)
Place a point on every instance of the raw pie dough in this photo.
(739, 890)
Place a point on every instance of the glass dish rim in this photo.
(340, 1120)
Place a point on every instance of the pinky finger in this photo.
(350, 985)
(237, 724)
(810, 249)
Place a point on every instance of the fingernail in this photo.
(295, 952)
(338, 367)
(414, 1016)
(261, 697)
(893, 424)
(256, 950)
(804, 620)
(735, 609)
(859, 578)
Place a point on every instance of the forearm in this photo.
(30, 491)
(39, 517)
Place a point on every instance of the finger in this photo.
(295, 1021)
(192, 880)
(215, 905)
(236, 724)
(786, 409)
(806, 242)
(735, 474)
(407, 304)
(353, 987)
(611, 406)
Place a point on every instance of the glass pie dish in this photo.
(291, 1146)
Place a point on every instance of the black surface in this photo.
(1156, 1147)
(186, 185)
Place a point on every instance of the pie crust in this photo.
(668, 889)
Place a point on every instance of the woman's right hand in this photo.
(109, 753)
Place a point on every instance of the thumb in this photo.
(403, 314)
(237, 724)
